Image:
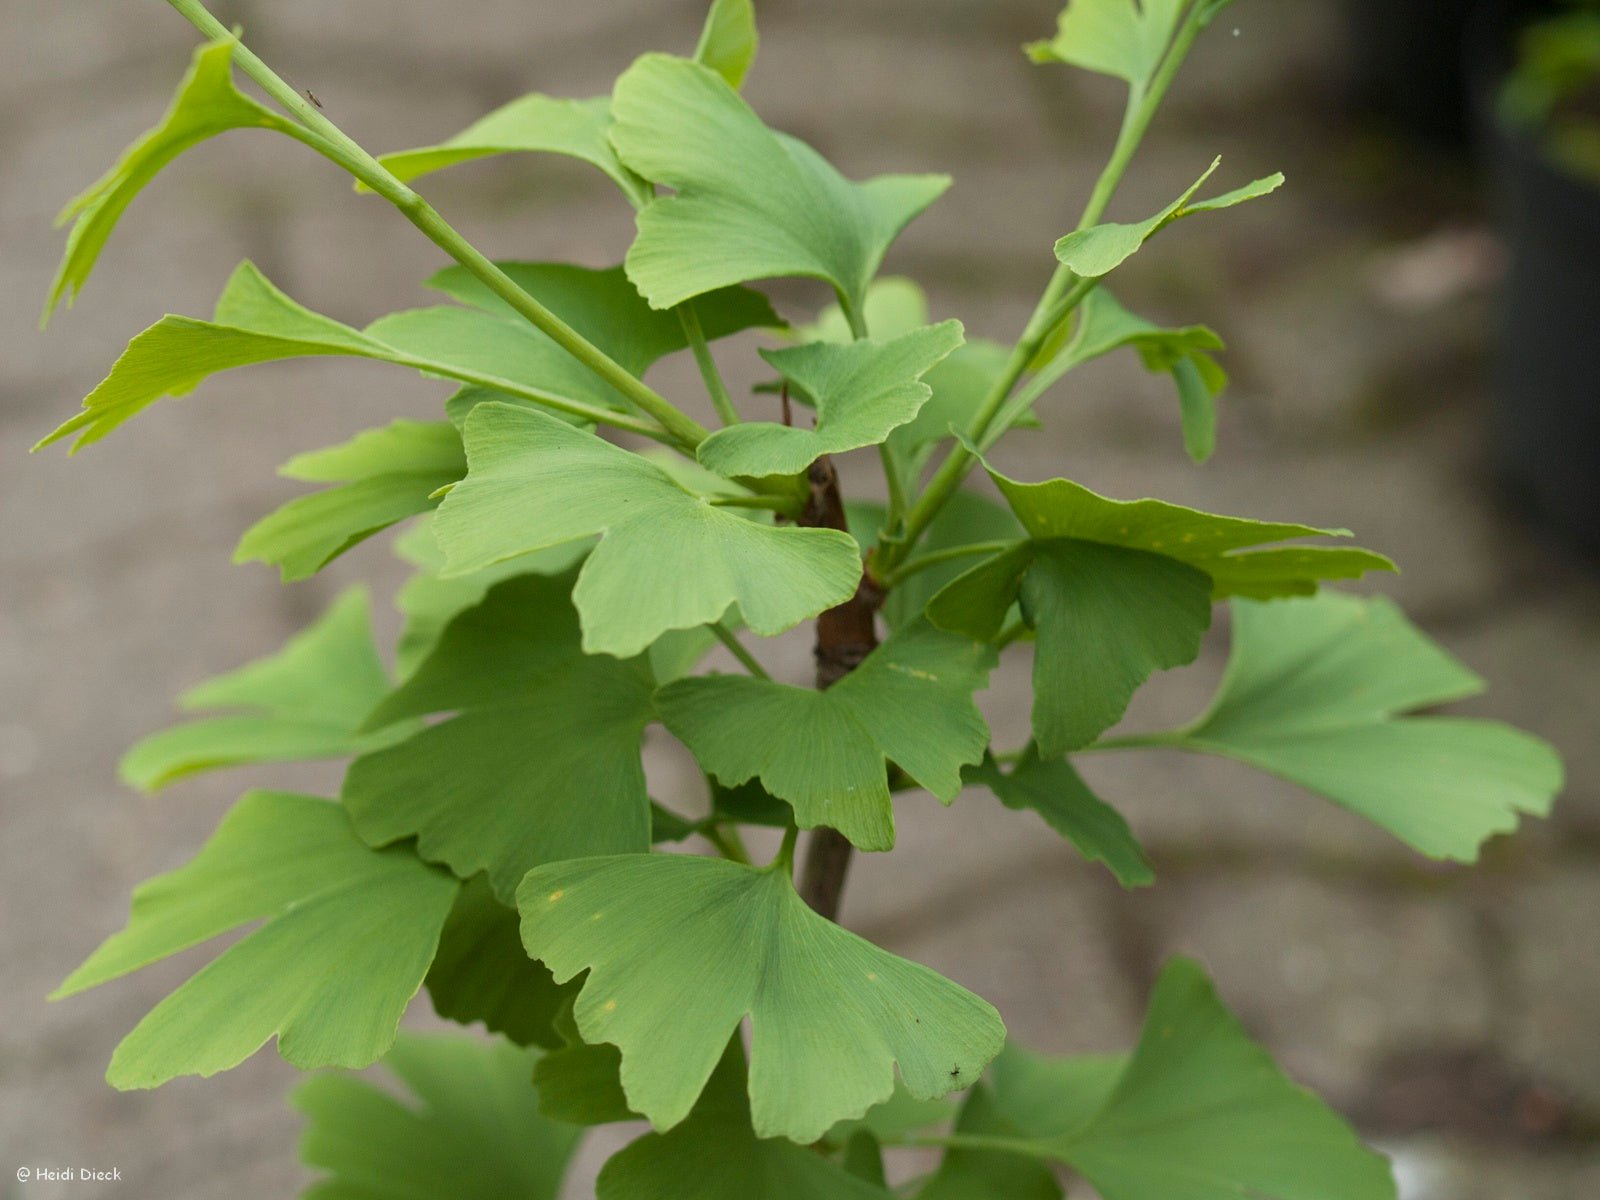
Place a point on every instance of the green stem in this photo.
(936, 558)
(737, 649)
(727, 841)
(1055, 304)
(784, 859)
(715, 388)
(358, 162)
(895, 481)
(1011, 633)
(593, 413)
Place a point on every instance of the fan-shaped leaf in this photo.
(542, 761)
(679, 950)
(308, 700)
(749, 203)
(1198, 1111)
(467, 1126)
(1316, 691)
(256, 323)
(1125, 38)
(909, 702)
(862, 392)
(347, 936)
(668, 559)
(1101, 249)
(206, 104)
(1118, 590)
(386, 475)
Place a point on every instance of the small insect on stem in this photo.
(312, 96)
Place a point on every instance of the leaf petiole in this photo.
(737, 648)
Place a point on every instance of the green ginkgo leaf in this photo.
(749, 203)
(346, 937)
(384, 476)
(679, 950)
(716, 1155)
(1101, 249)
(728, 41)
(532, 124)
(1198, 1111)
(862, 391)
(668, 558)
(1317, 691)
(1125, 38)
(206, 104)
(960, 382)
(482, 973)
(257, 323)
(308, 700)
(1119, 590)
(541, 761)
(467, 1125)
(909, 702)
(1056, 791)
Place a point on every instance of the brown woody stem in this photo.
(845, 636)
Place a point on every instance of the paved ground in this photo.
(1451, 1012)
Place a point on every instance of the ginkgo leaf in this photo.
(960, 382)
(728, 41)
(909, 702)
(466, 1125)
(482, 973)
(385, 475)
(308, 700)
(206, 104)
(1118, 590)
(1101, 249)
(1104, 326)
(1056, 791)
(1317, 691)
(347, 934)
(749, 203)
(862, 391)
(582, 1084)
(669, 559)
(532, 124)
(679, 950)
(541, 761)
(716, 1155)
(257, 323)
(1198, 1111)
(1125, 38)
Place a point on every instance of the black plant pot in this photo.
(1546, 409)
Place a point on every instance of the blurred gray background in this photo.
(1450, 1012)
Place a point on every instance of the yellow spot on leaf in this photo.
(611, 1006)
(556, 895)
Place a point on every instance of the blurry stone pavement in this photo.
(1452, 1012)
